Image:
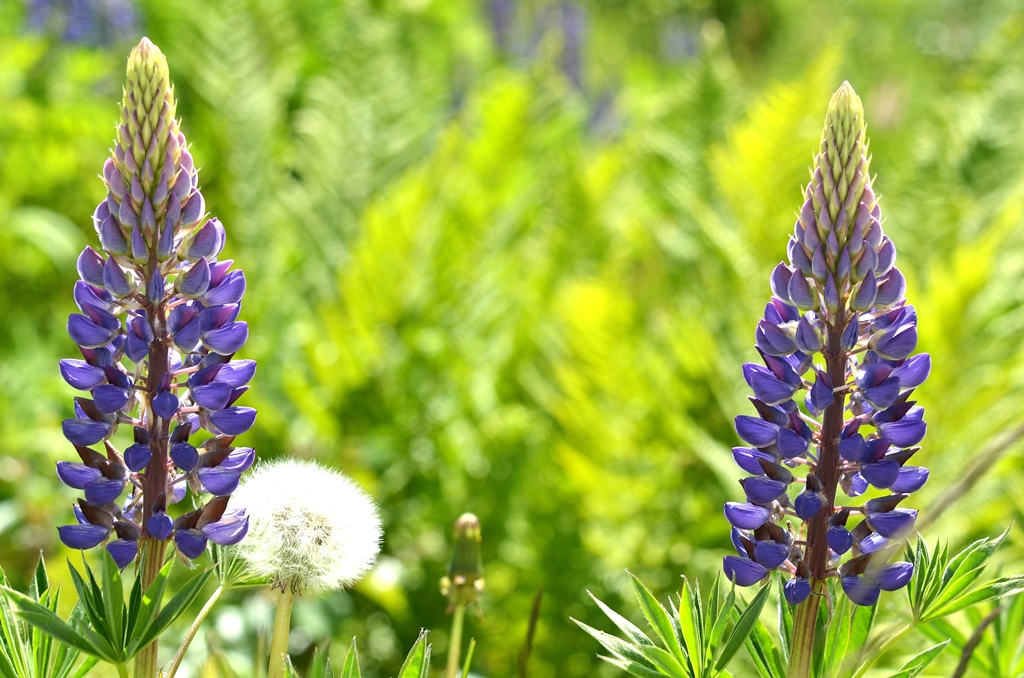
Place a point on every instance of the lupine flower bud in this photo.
(143, 297)
(837, 306)
(465, 579)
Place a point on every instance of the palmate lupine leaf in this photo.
(114, 632)
(692, 639)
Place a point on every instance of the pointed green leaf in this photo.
(42, 617)
(351, 667)
(722, 613)
(632, 668)
(469, 658)
(113, 600)
(182, 599)
(86, 667)
(993, 590)
(616, 645)
(918, 663)
(417, 663)
(746, 622)
(659, 620)
(627, 627)
(689, 625)
(762, 651)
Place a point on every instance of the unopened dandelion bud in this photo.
(465, 579)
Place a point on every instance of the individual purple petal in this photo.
(193, 209)
(155, 289)
(914, 371)
(114, 279)
(756, 431)
(772, 340)
(883, 395)
(185, 456)
(90, 267)
(76, 475)
(770, 554)
(219, 481)
(239, 460)
(123, 551)
(743, 571)
(103, 491)
(800, 292)
(807, 337)
(780, 281)
(229, 530)
(831, 294)
(233, 421)
(861, 590)
(890, 290)
(807, 505)
(848, 340)
(110, 398)
(791, 444)
(177, 493)
(137, 457)
(228, 291)
(82, 536)
(903, 433)
(166, 242)
(81, 375)
(762, 490)
(910, 479)
(227, 339)
(822, 394)
(216, 317)
(881, 474)
(839, 539)
(211, 396)
(190, 542)
(894, 576)
(136, 348)
(893, 524)
(237, 373)
(207, 242)
(747, 459)
(866, 293)
(88, 334)
(796, 590)
(160, 526)
(898, 344)
(165, 405)
(854, 484)
(766, 386)
(872, 543)
(195, 281)
(85, 432)
(746, 516)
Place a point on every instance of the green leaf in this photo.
(785, 622)
(659, 620)
(722, 612)
(665, 661)
(690, 624)
(632, 668)
(351, 667)
(992, 590)
(320, 667)
(623, 624)
(417, 663)
(113, 600)
(919, 661)
(747, 621)
(961, 571)
(182, 599)
(42, 617)
(617, 646)
(469, 658)
(762, 651)
(86, 667)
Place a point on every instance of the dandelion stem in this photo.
(180, 654)
(455, 642)
(282, 627)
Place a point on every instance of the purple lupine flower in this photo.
(158, 331)
(839, 328)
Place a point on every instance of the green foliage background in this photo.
(513, 268)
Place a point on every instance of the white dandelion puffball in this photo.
(310, 527)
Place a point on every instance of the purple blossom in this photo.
(158, 329)
(839, 329)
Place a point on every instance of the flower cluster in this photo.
(840, 298)
(157, 331)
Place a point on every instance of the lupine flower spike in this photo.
(158, 330)
(833, 395)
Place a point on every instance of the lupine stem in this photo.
(827, 471)
(282, 627)
(455, 642)
(192, 630)
(152, 561)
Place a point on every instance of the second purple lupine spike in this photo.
(838, 303)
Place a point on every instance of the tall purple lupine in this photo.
(157, 331)
(833, 397)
